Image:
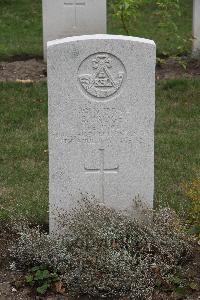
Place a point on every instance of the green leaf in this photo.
(34, 269)
(158, 284)
(180, 290)
(45, 274)
(29, 278)
(176, 280)
(194, 230)
(193, 286)
(39, 275)
(43, 288)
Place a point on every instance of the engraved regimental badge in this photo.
(101, 75)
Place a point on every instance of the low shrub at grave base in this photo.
(107, 254)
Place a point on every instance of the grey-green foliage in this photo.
(107, 253)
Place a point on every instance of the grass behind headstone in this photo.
(21, 28)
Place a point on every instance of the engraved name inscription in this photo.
(100, 124)
(101, 75)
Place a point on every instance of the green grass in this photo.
(24, 159)
(23, 155)
(21, 28)
(177, 139)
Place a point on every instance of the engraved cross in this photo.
(75, 4)
(102, 171)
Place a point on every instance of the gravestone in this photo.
(196, 28)
(101, 121)
(63, 18)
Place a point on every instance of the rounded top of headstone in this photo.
(100, 37)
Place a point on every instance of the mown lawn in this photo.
(177, 140)
(23, 152)
(24, 156)
(21, 28)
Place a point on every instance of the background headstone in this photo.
(63, 18)
(196, 28)
(101, 121)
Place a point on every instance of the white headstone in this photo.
(64, 18)
(101, 121)
(196, 28)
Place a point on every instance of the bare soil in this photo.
(28, 70)
(173, 69)
(34, 69)
(12, 284)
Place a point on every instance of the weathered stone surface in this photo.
(101, 121)
(196, 28)
(63, 18)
